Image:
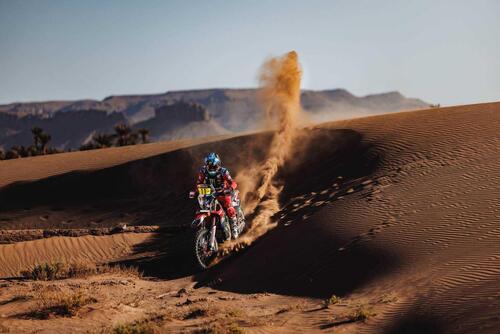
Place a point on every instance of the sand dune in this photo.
(423, 225)
(23, 255)
(398, 213)
(34, 168)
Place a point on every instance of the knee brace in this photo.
(231, 212)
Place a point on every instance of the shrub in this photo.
(56, 302)
(124, 135)
(41, 140)
(50, 271)
(235, 329)
(143, 133)
(144, 326)
(196, 313)
(135, 328)
(118, 270)
(70, 303)
(103, 140)
(81, 270)
(361, 314)
(331, 301)
(220, 329)
(234, 313)
(386, 299)
(12, 154)
(47, 271)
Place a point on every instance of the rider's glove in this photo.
(191, 194)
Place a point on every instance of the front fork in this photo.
(213, 228)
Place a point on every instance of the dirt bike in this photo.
(212, 223)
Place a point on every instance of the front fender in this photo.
(199, 221)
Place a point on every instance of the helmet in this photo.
(212, 162)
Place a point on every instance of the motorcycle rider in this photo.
(214, 174)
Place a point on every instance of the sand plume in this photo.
(279, 96)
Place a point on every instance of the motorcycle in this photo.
(212, 224)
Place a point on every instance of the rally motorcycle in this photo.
(212, 224)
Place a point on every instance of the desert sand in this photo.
(21, 255)
(397, 215)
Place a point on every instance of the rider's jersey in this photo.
(221, 181)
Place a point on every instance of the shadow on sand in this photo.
(301, 256)
(301, 259)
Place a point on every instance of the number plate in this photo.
(204, 190)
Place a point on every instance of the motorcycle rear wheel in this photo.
(241, 219)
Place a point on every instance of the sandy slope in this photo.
(22, 255)
(398, 213)
(423, 226)
(34, 168)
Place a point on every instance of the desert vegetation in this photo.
(214, 320)
(50, 271)
(331, 301)
(52, 301)
(361, 313)
(123, 136)
(217, 329)
(40, 146)
(145, 326)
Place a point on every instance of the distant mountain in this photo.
(178, 114)
(181, 120)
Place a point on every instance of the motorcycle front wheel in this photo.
(204, 255)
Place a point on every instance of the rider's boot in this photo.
(234, 227)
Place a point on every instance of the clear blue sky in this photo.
(440, 51)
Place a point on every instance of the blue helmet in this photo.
(213, 163)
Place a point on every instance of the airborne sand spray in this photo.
(279, 96)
